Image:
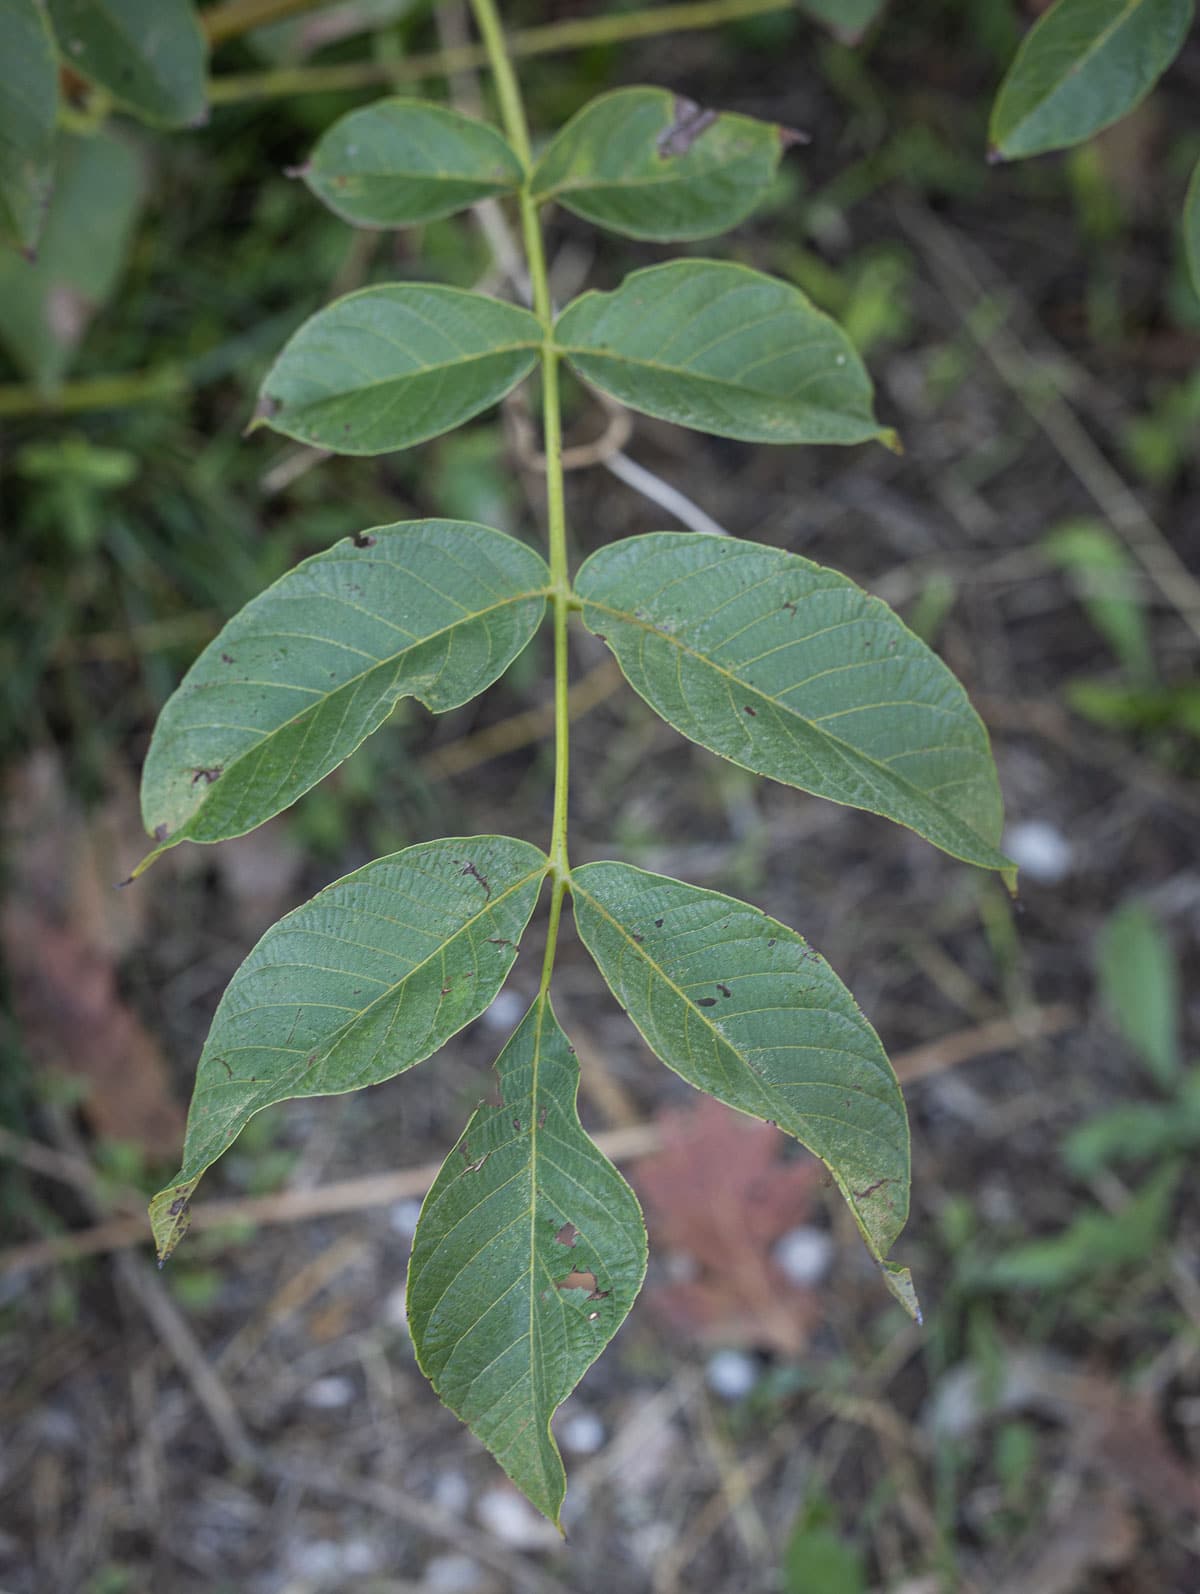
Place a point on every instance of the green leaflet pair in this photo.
(530, 1247)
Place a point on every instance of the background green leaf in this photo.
(432, 609)
(402, 161)
(390, 366)
(523, 1206)
(1140, 983)
(47, 303)
(847, 20)
(149, 54)
(1191, 227)
(725, 350)
(652, 164)
(790, 670)
(28, 110)
(1084, 65)
(744, 1009)
(366, 979)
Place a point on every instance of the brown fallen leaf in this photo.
(718, 1196)
(63, 928)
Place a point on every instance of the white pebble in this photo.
(505, 1010)
(804, 1255)
(330, 1394)
(581, 1433)
(509, 1517)
(453, 1574)
(731, 1374)
(451, 1493)
(1039, 850)
(403, 1217)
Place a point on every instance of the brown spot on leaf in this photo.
(753, 712)
(724, 989)
(658, 924)
(568, 1235)
(541, 1119)
(706, 1001)
(363, 539)
(688, 123)
(583, 1279)
(179, 1206)
(161, 832)
(469, 868)
(207, 775)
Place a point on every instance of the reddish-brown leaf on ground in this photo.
(717, 1197)
(63, 928)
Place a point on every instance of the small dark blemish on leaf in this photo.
(469, 868)
(638, 938)
(498, 940)
(161, 832)
(724, 989)
(446, 988)
(706, 1001)
(567, 1235)
(658, 924)
(772, 941)
(226, 658)
(517, 1125)
(179, 1206)
(310, 1060)
(790, 605)
(689, 122)
(753, 712)
(207, 775)
(861, 1195)
(541, 1118)
(363, 539)
(224, 1065)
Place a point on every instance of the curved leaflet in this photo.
(790, 670)
(1084, 65)
(529, 1252)
(390, 366)
(402, 161)
(366, 979)
(724, 350)
(28, 113)
(432, 609)
(149, 54)
(650, 164)
(743, 1008)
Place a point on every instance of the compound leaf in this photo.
(529, 1252)
(725, 350)
(149, 54)
(432, 609)
(743, 1008)
(366, 979)
(28, 111)
(790, 670)
(651, 164)
(402, 161)
(1084, 65)
(390, 366)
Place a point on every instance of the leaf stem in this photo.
(549, 38)
(512, 111)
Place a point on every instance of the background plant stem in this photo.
(547, 39)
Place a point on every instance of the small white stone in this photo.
(315, 1559)
(581, 1433)
(403, 1215)
(451, 1493)
(731, 1374)
(804, 1255)
(453, 1574)
(331, 1393)
(510, 1518)
(505, 1010)
(1039, 850)
(395, 1309)
(360, 1557)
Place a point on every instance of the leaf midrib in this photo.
(1080, 62)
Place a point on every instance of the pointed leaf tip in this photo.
(529, 1252)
